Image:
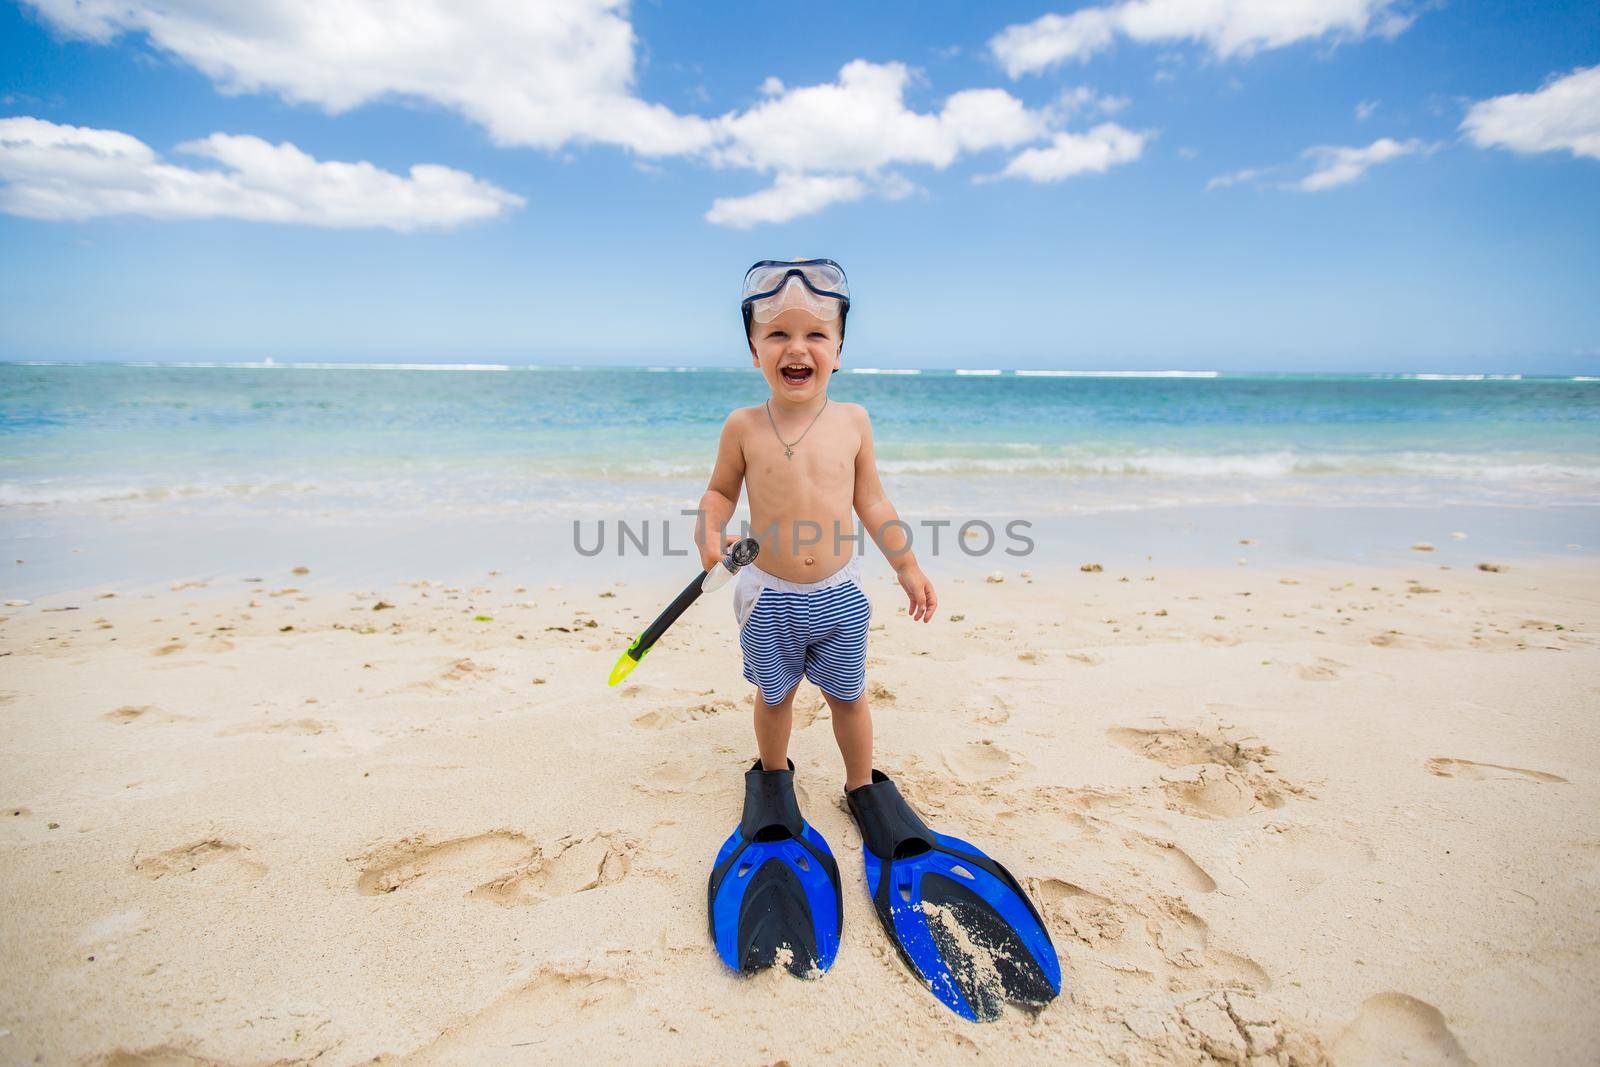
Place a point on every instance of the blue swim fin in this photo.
(774, 892)
(960, 920)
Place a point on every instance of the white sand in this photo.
(1349, 818)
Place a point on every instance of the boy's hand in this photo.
(920, 590)
(710, 555)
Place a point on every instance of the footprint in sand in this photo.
(1290, 862)
(560, 1016)
(227, 859)
(1180, 748)
(1098, 820)
(1213, 792)
(154, 1056)
(571, 865)
(1324, 670)
(415, 861)
(1219, 778)
(1221, 1026)
(1088, 915)
(503, 866)
(979, 761)
(810, 708)
(997, 715)
(1462, 768)
(168, 649)
(662, 718)
(1154, 942)
(1064, 803)
(1178, 865)
(1397, 639)
(455, 672)
(142, 713)
(679, 776)
(1397, 1028)
(298, 727)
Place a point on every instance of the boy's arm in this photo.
(721, 495)
(883, 524)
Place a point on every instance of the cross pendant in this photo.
(788, 453)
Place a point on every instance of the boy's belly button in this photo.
(809, 561)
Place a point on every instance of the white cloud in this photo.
(861, 123)
(1081, 99)
(789, 197)
(48, 171)
(1365, 109)
(1228, 27)
(538, 74)
(1339, 165)
(834, 142)
(1067, 154)
(1563, 115)
(560, 73)
(1332, 165)
(1248, 174)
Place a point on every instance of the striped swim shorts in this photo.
(816, 630)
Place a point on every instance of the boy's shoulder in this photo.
(855, 411)
(856, 414)
(738, 417)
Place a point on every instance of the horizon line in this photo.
(974, 372)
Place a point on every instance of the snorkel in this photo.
(816, 286)
(739, 553)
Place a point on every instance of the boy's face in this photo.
(797, 353)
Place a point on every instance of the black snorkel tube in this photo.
(739, 553)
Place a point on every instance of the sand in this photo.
(1307, 814)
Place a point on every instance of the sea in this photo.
(170, 451)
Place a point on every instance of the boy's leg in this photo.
(852, 728)
(774, 722)
(836, 661)
(774, 659)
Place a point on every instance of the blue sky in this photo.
(1296, 185)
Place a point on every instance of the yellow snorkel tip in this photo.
(624, 667)
(626, 662)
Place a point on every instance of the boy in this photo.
(807, 463)
(959, 919)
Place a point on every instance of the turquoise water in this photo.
(286, 440)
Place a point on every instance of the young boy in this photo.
(774, 895)
(808, 463)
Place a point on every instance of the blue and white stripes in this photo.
(816, 631)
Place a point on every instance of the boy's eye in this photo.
(818, 337)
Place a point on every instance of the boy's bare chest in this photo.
(776, 471)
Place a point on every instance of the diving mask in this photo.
(816, 286)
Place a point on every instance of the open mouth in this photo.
(796, 373)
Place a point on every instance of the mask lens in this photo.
(795, 294)
(823, 278)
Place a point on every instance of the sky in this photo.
(1237, 185)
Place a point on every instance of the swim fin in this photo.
(774, 894)
(960, 920)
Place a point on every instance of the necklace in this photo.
(788, 446)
